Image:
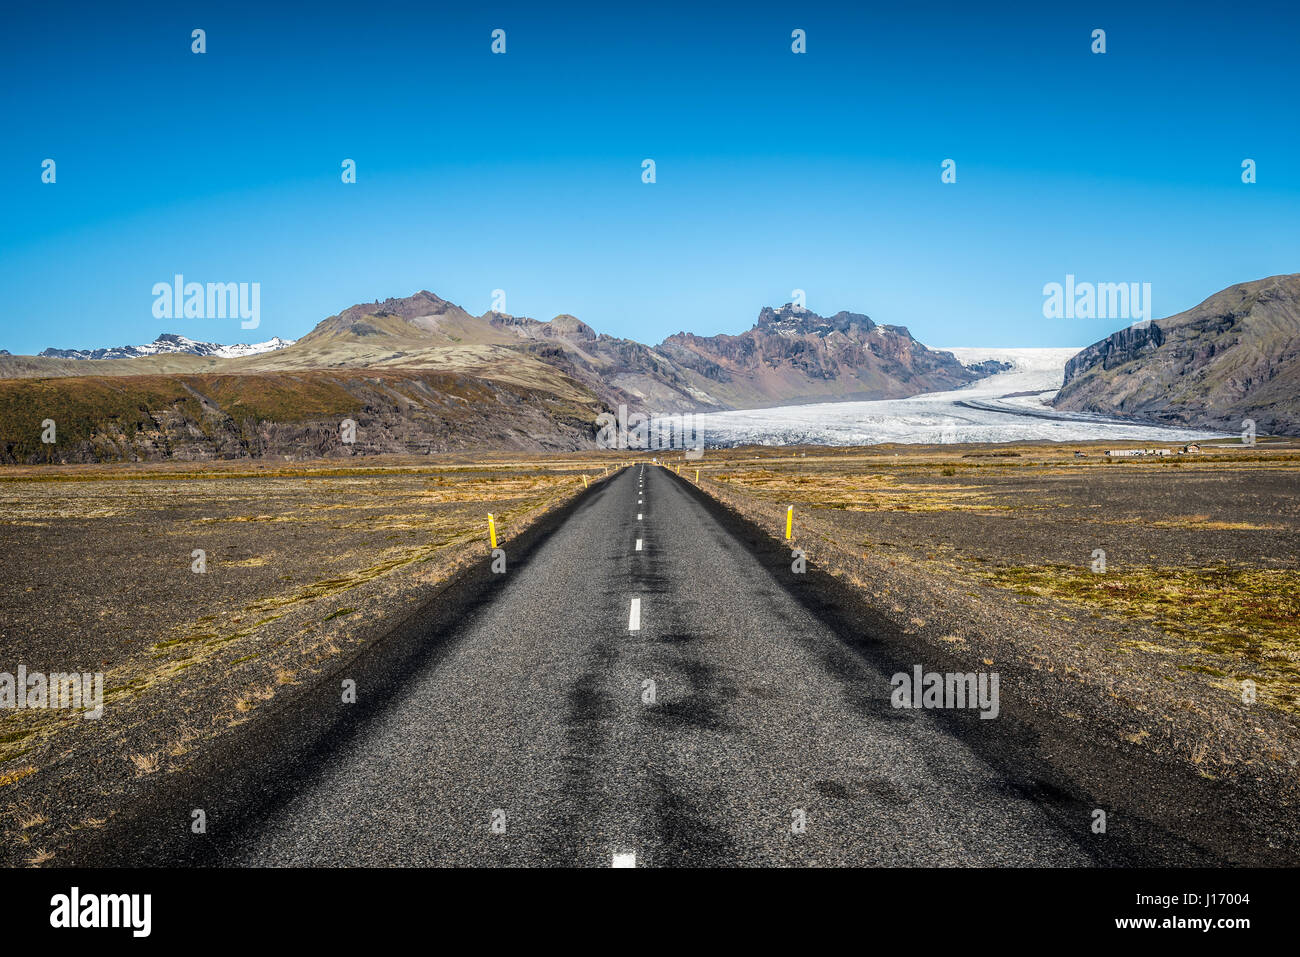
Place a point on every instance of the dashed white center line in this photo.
(624, 859)
(634, 615)
(638, 516)
(638, 544)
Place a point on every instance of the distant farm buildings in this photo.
(1137, 453)
(1144, 453)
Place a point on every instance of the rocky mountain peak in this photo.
(799, 320)
(423, 303)
(567, 325)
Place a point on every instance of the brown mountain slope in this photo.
(1236, 356)
(620, 371)
(282, 414)
(421, 321)
(793, 355)
(31, 367)
(426, 332)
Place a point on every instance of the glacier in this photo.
(1009, 406)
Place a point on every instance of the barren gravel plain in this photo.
(303, 565)
(1155, 597)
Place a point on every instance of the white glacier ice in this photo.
(989, 410)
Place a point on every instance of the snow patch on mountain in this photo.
(172, 343)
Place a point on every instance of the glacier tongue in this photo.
(989, 410)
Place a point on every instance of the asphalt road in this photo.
(534, 738)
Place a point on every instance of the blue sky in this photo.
(522, 172)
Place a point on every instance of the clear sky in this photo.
(522, 171)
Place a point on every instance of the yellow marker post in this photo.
(789, 521)
(584, 481)
(697, 476)
(492, 530)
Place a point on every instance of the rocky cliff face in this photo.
(794, 355)
(1127, 345)
(1235, 356)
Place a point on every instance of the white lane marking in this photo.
(634, 616)
(638, 544)
(640, 501)
(624, 859)
(638, 516)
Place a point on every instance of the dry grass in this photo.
(11, 777)
(28, 819)
(39, 857)
(859, 491)
(181, 746)
(144, 764)
(1229, 623)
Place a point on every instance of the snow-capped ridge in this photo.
(172, 343)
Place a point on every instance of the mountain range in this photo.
(170, 342)
(421, 374)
